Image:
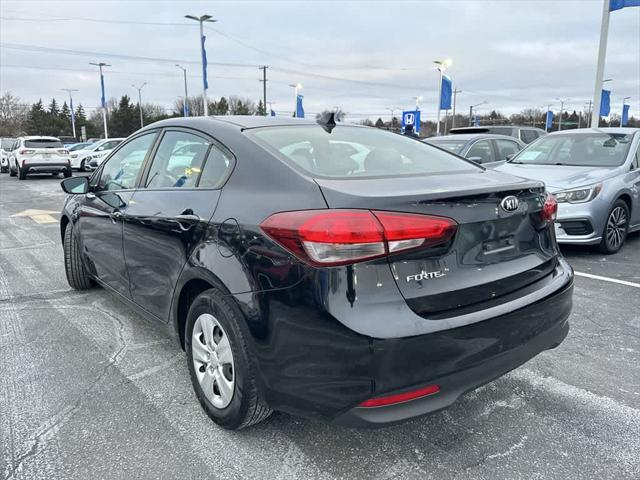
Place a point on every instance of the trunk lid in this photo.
(493, 254)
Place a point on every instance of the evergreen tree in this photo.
(36, 121)
(222, 107)
(261, 110)
(124, 119)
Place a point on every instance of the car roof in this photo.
(39, 137)
(472, 136)
(240, 121)
(581, 131)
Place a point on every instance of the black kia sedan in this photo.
(331, 271)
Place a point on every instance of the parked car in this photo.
(525, 134)
(357, 290)
(67, 141)
(37, 154)
(6, 145)
(488, 150)
(595, 176)
(80, 158)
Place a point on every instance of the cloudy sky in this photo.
(365, 56)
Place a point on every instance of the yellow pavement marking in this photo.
(38, 216)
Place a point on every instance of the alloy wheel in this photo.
(213, 360)
(616, 228)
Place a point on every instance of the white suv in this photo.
(6, 145)
(39, 155)
(80, 159)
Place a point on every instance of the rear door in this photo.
(170, 212)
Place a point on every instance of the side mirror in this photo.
(75, 185)
(475, 159)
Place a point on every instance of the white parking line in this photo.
(607, 279)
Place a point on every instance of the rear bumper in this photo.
(465, 358)
(49, 167)
(312, 365)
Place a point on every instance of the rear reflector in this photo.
(341, 237)
(401, 397)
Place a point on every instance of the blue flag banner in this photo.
(618, 4)
(102, 99)
(273, 112)
(605, 103)
(299, 107)
(476, 121)
(411, 118)
(549, 122)
(445, 95)
(204, 65)
(185, 108)
(625, 115)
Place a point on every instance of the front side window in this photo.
(178, 161)
(581, 150)
(122, 168)
(506, 148)
(352, 152)
(481, 152)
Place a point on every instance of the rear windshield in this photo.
(454, 146)
(42, 143)
(351, 152)
(583, 150)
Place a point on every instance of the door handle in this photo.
(190, 218)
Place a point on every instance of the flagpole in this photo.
(440, 69)
(602, 52)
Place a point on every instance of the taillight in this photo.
(401, 397)
(341, 237)
(26, 152)
(549, 210)
(63, 152)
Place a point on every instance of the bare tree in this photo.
(13, 115)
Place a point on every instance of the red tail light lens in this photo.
(549, 210)
(401, 397)
(341, 237)
(26, 152)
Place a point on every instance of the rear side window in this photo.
(43, 143)
(506, 148)
(216, 168)
(352, 152)
(178, 161)
(528, 136)
(481, 152)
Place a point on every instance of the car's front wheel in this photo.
(77, 274)
(220, 364)
(615, 230)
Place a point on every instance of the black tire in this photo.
(246, 407)
(81, 169)
(22, 174)
(67, 173)
(612, 241)
(77, 274)
(12, 172)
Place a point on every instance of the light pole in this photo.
(453, 117)
(140, 101)
(562, 102)
(73, 114)
(441, 66)
(203, 56)
(417, 99)
(185, 105)
(296, 88)
(471, 111)
(103, 100)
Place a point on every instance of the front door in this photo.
(100, 216)
(169, 214)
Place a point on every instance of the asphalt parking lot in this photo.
(90, 390)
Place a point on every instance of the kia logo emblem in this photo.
(510, 203)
